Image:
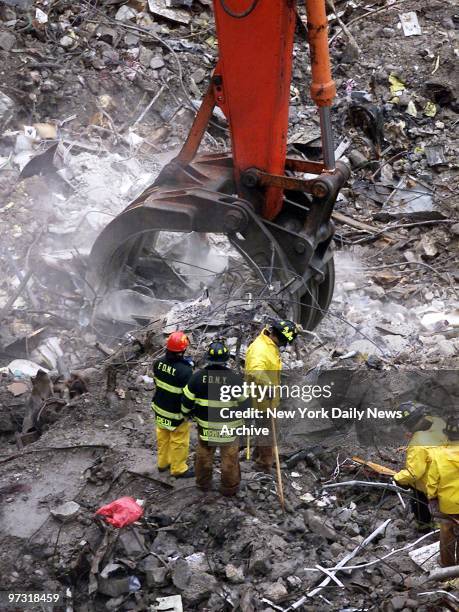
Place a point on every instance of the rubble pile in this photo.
(95, 97)
(211, 552)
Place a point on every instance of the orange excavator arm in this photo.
(251, 85)
(275, 216)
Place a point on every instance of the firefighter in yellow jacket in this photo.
(443, 489)
(171, 374)
(427, 436)
(263, 366)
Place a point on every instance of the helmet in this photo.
(177, 342)
(218, 352)
(452, 428)
(285, 331)
(412, 413)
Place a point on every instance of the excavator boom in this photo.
(275, 216)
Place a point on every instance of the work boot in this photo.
(230, 491)
(164, 469)
(188, 474)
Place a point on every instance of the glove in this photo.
(189, 361)
(397, 484)
(433, 506)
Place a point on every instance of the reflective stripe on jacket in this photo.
(263, 366)
(201, 400)
(419, 455)
(171, 376)
(443, 478)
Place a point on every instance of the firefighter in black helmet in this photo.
(216, 419)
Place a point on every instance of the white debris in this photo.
(67, 41)
(6, 105)
(49, 352)
(173, 603)
(24, 367)
(307, 497)
(426, 557)
(66, 511)
(439, 321)
(410, 24)
(197, 561)
(41, 16)
(125, 13)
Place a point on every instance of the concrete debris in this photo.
(234, 574)
(156, 577)
(200, 586)
(125, 13)
(6, 106)
(316, 525)
(276, 592)
(66, 511)
(426, 557)
(181, 574)
(160, 8)
(7, 41)
(113, 587)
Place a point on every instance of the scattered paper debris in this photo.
(41, 16)
(410, 24)
(397, 87)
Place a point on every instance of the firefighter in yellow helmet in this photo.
(263, 366)
(443, 490)
(427, 436)
(171, 374)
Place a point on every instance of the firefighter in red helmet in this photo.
(171, 374)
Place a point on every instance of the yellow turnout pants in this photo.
(173, 448)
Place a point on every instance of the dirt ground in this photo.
(117, 92)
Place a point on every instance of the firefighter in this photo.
(427, 436)
(171, 374)
(263, 366)
(443, 490)
(217, 419)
